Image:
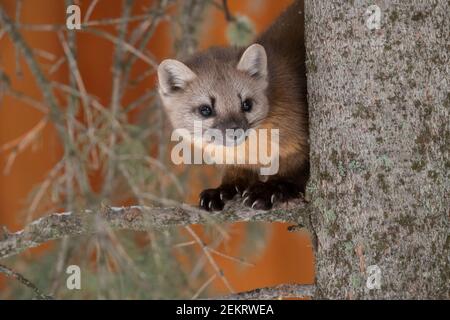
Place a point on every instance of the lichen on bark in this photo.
(379, 103)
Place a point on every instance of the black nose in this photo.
(232, 123)
(235, 133)
(232, 127)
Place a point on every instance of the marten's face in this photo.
(220, 94)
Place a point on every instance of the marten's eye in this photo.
(247, 105)
(205, 110)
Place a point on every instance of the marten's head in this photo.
(225, 88)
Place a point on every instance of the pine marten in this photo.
(261, 86)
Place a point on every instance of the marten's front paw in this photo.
(263, 195)
(214, 199)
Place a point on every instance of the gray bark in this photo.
(379, 123)
(140, 218)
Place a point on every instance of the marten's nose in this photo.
(233, 129)
(235, 133)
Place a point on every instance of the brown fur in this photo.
(288, 113)
(281, 104)
(284, 44)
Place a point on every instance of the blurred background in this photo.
(83, 127)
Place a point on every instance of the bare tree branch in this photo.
(141, 218)
(281, 291)
(228, 15)
(211, 260)
(116, 97)
(15, 275)
(188, 25)
(55, 114)
(44, 85)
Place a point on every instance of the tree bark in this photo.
(379, 123)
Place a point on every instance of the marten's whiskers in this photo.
(256, 122)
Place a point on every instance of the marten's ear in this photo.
(254, 61)
(173, 76)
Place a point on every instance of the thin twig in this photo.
(41, 27)
(211, 260)
(228, 15)
(75, 72)
(17, 52)
(157, 14)
(184, 244)
(116, 97)
(90, 10)
(55, 114)
(125, 45)
(56, 65)
(41, 80)
(44, 54)
(36, 199)
(30, 101)
(238, 260)
(18, 145)
(17, 276)
(204, 286)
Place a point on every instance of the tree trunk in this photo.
(379, 123)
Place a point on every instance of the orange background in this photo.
(288, 256)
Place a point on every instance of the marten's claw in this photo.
(257, 198)
(273, 198)
(214, 199)
(263, 195)
(210, 200)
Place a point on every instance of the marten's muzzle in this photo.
(233, 130)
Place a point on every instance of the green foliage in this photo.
(241, 31)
